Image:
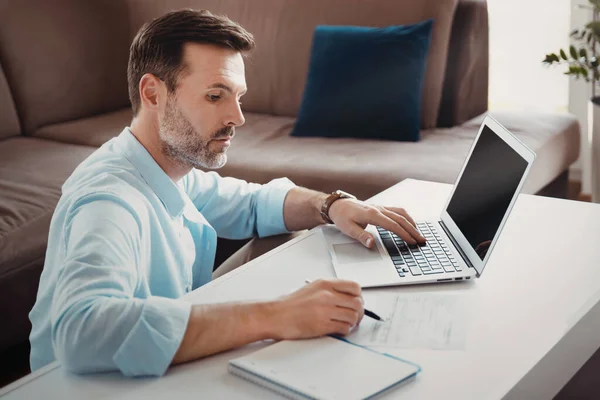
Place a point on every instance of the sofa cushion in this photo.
(357, 165)
(465, 93)
(32, 172)
(93, 131)
(9, 120)
(263, 150)
(276, 71)
(64, 59)
(365, 82)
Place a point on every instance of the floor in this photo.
(14, 364)
(585, 385)
(575, 192)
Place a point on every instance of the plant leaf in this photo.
(594, 62)
(594, 26)
(595, 3)
(576, 71)
(574, 32)
(583, 53)
(551, 58)
(573, 51)
(589, 37)
(563, 55)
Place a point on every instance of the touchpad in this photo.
(350, 253)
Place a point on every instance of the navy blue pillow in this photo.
(365, 82)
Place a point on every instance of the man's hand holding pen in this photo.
(322, 307)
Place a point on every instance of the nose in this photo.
(236, 117)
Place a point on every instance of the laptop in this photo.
(460, 242)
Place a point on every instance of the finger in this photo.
(340, 328)
(345, 315)
(358, 232)
(387, 223)
(356, 304)
(360, 317)
(404, 223)
(404, 213)
(345, 286)
(349, 302)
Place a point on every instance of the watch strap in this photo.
(332, 198)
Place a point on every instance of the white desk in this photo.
(534, 319)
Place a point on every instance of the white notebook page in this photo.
(326, 368)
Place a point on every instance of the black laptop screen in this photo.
(484, 192)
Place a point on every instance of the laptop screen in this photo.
(485, 190)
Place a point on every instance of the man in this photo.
(137, 223)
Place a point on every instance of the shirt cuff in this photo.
(155, 338)
(270, 207)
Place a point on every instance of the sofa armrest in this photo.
(465, 92)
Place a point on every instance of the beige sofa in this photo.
(63, 92)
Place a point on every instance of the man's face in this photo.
(199, 119)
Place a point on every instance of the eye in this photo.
(213, 97)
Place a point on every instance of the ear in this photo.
(153, 92)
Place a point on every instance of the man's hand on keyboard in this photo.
(353, 216)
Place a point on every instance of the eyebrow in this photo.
(223, 86)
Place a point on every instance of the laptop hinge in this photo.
(457, 247)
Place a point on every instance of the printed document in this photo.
(413, 320)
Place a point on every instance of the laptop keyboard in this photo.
(434, 257)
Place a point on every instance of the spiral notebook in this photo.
(325, 368)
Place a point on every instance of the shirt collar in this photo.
(164, 187)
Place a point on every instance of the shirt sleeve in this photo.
(238, 209)
(97, 323)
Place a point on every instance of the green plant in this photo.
(581, 59)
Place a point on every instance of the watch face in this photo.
(345, 195)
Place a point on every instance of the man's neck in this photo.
(146, 132)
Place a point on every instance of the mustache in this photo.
(226, 131)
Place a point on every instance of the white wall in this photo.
(521, 33)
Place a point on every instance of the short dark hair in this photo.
(158, 46)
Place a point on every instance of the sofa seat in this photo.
(263, 150)
(554, 137)
(32, 172)
(93, 131)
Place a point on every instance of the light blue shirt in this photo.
(125, 244)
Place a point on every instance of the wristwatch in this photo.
(338, 194)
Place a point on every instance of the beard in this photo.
(183, 144)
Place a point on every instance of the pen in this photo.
(368, 313)
(372, 315)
